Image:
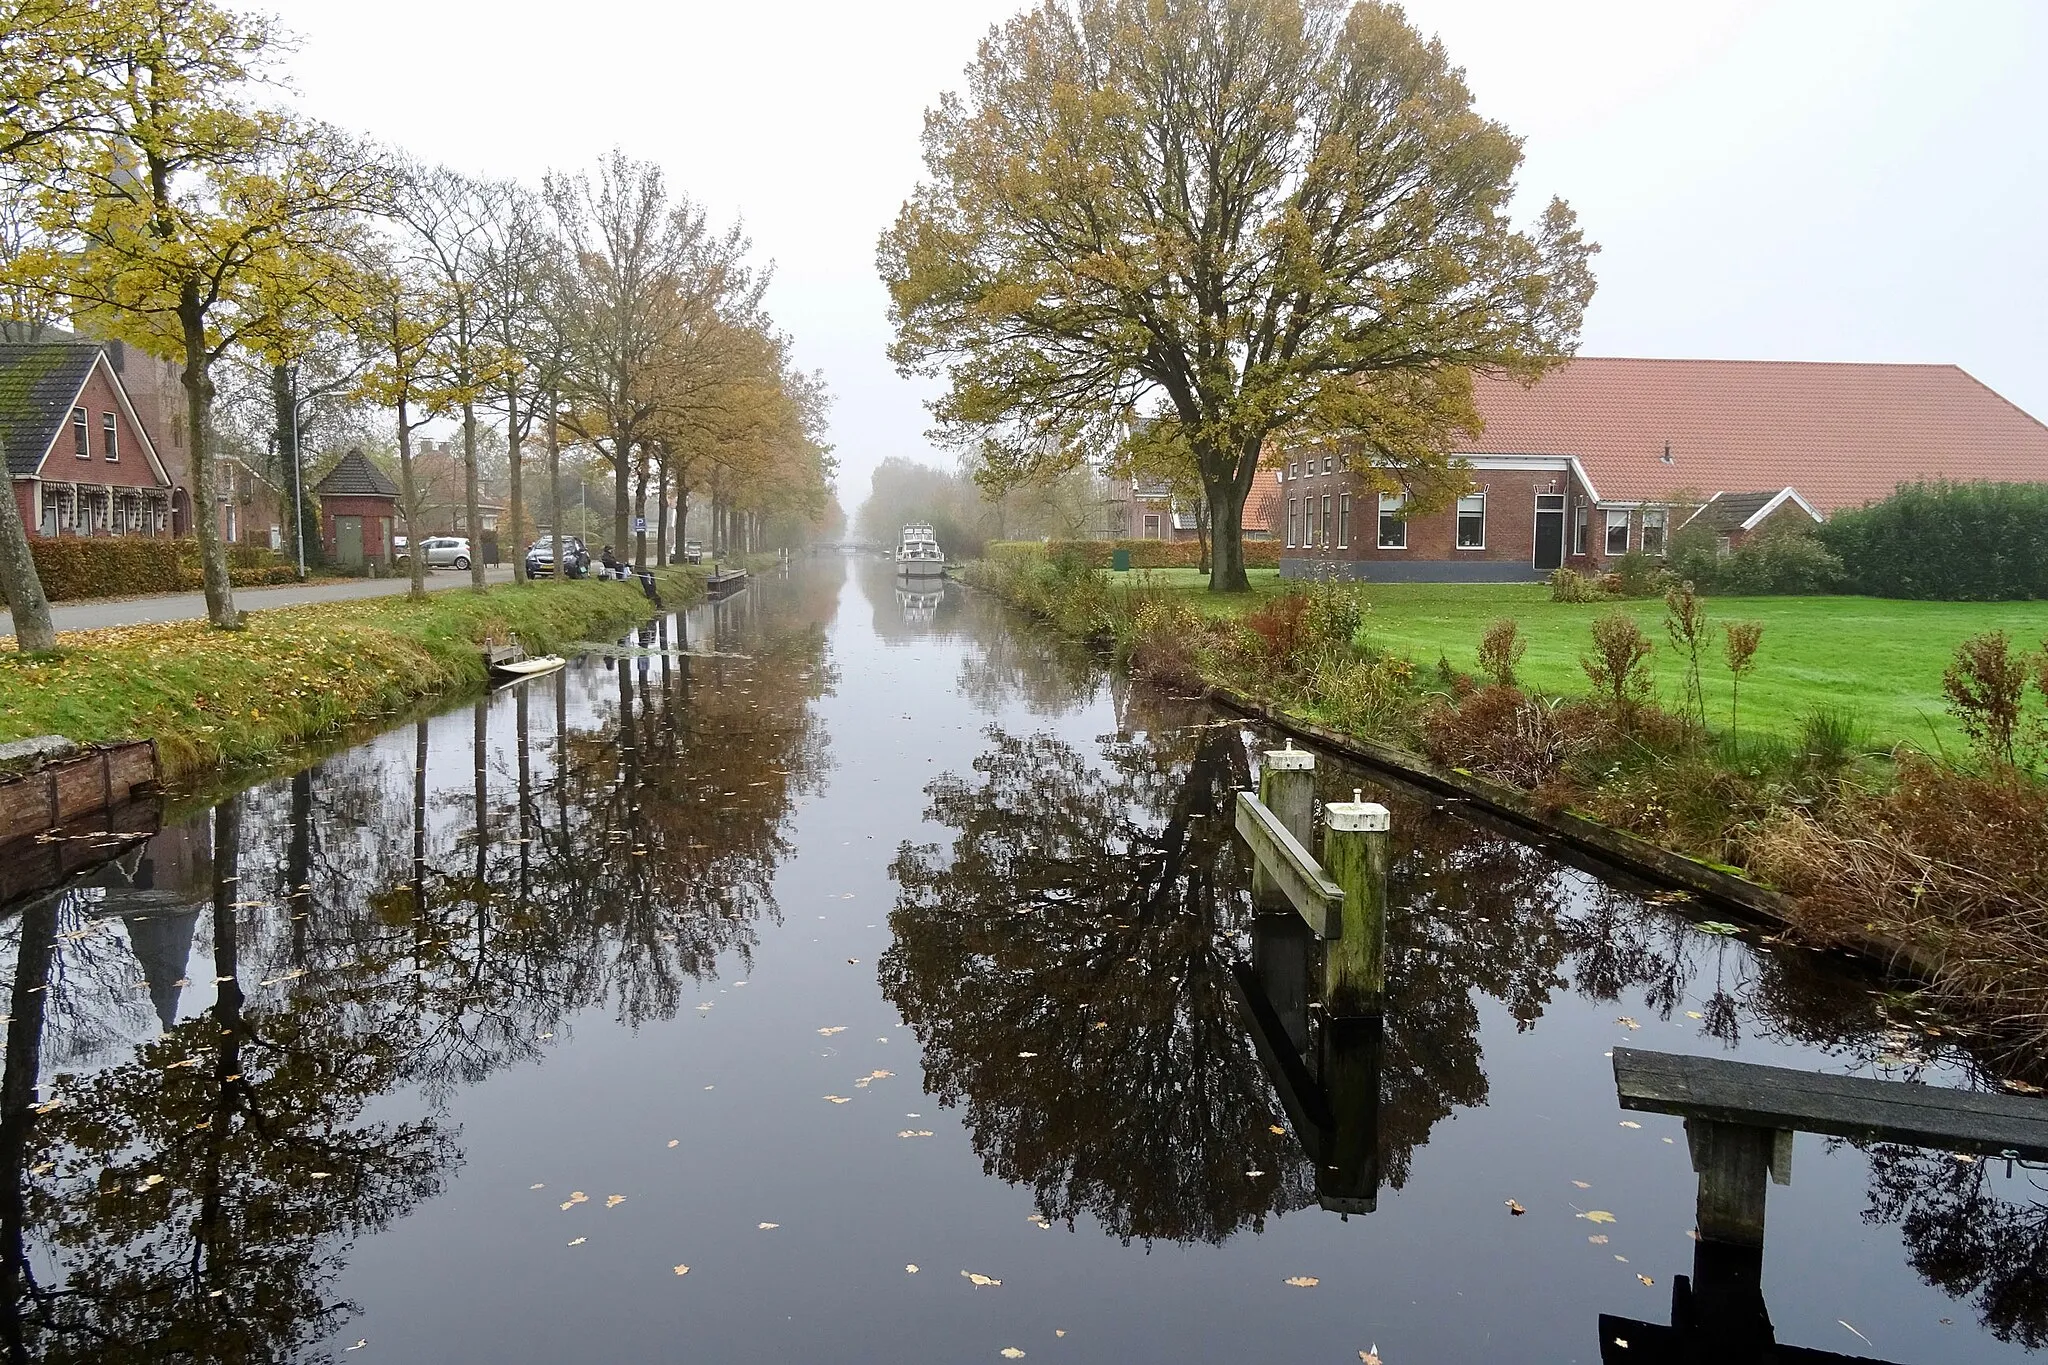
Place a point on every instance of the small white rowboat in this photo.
(527, 668)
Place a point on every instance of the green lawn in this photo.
(1878, 659)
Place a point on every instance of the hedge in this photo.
(76, 568)
(1145, 554)
(1955, 542)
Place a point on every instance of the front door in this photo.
(1549, 531)
(348, 540)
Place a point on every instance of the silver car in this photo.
(449, 552)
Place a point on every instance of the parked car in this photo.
(693, 552)
(540, 557)
(445, 552)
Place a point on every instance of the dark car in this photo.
(540, 558)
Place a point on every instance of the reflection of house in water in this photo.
(158, 892)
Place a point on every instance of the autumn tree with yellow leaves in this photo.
(1262, 218)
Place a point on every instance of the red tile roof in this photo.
(1842, 434)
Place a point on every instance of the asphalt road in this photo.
(191, 606)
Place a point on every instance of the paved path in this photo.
(191, 606)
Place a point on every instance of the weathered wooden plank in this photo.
(1852, 1107)
(1296, 874)
(1299, 1093)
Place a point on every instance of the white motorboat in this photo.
(918, 554)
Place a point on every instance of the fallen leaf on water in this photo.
(978, 1281)
(766, 1226)
(1646, 1279)
(150, 1181)
(1303, 1281)
(545, 1036)
(1598, 1239)
(675, 1142)
(1516, 1209)
(915, 1133)
(1860, 1337)
(48, 1105)
(541, 1186)
(321, 1175)
(189, 1061)
(1027, 1054)
(575, 1197)
(837, 1099)
(1059, 1331)
(1625, 1020)
(1630, 1123)
(1582, 1184)
(910, 1270)
(1619, 1257)
(612, 1201)
(880, 1075)
(703, 1007)
(853, 962)
(1694, 1014)
(1255, 1173)
(43, 1169)
(1276, 1128)
(828, 1032)
(360, 1343)
(1371, 1356)
(1597, 1216)
(579, 1241)
(1011, 1353)
(2017, 1088)
(1721, 927)
(682, 1270)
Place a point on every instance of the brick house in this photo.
(79, 461)
(1604, 456)
(358, 504)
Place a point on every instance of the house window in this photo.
(1653, 530)
(80, 436)
(1393, 528)
(1472, 522)
(110, 442)
(1293, 512)
(1152, 526)
(1344, 521)
(1293, 472)
(1327, 527)
(1329, 463)
(1617, 530)
(1310, 543)
(1579, 528)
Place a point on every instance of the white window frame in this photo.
(1582, 527)
(1329, 511)
(1293, 511)
(81, 433)
(1458, 538)
(1293, 470)
(1612, 525)
(1660, 519)
(1310, 525)
(1392, 503)
(1329, 463)
(110, 437)
(1152, 526)
(1343, 521)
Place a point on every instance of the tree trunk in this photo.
(622, 493)
(284, 402)
(640, 513)
(469, 492)
(33, 632)
(415, 562)
(198, 383)
(1203, 540)
(1226, 537)
(682, 512)
(555, 527)
(661, 509)
(516, 512)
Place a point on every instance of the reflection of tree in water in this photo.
(194, 1200)
(1968, 1238)
(1015, 661)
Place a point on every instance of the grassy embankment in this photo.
(293, 674)
(1847, 785)
(1878, 660)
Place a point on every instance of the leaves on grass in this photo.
(978, 1281)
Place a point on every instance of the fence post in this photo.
(1355, 835)
(1287, 787)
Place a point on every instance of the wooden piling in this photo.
(1355, 854)
(1734, 1163)
(1287, 787)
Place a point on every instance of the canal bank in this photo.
(292, 675)
(687, 999)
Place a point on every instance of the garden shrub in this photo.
(1368, 694)
(1501, 649)
(77, 567)
(1636, 574)
(1619, 666)
(1959, 542)
(1145, 554)
(1506, 734)
(1569, 585)
(1986, 687)
(1166, 637)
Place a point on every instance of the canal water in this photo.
(840, 974)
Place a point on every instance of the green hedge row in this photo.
(1145, 554)
(1956, 542)
(76, 568)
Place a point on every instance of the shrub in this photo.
(1830, 737)
(1685, 624)
(1569, 585)
(1948, 541)
(1739, 644)
(77, 567)
(1165, 636)
(1145, 554)
(1619, 666)
(1500, 649)
(1636, 574)
(1503, 733)
(1366, 695)
(1986, 686)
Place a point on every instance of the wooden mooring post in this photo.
(1355, 854)
(1287, 787)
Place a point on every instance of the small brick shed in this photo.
(358, 505)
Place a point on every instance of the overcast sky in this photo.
(1803, 180)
